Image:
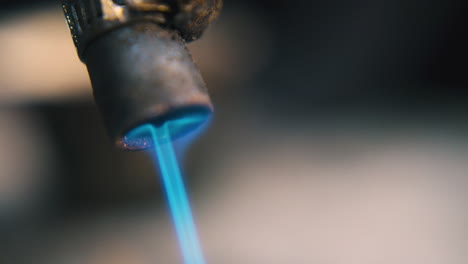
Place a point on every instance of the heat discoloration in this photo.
(195, 16)
(89, 19)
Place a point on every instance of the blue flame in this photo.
(172, 178)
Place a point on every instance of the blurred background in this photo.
(340, 137)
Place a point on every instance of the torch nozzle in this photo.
(141, 74)
(138, 63)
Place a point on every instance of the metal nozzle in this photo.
(142, 73)
(139, 66)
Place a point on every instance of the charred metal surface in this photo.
(88, 19)
(195, 15)
(137, 61)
